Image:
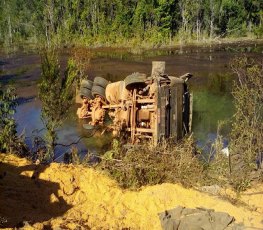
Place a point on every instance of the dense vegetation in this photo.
(246, 139)
(100, 22)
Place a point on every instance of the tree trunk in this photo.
(212, 19)
(198, 29)
(10, 30)
(184, 20)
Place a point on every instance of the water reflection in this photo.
(213, 102)
(140, 54)
(28, 117)
(209, 108)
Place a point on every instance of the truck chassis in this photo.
(154, 108)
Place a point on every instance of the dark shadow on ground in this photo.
(27, 199)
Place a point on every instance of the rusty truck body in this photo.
(142, 107)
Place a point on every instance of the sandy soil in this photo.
(67, 197)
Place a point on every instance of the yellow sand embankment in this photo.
(69, 196)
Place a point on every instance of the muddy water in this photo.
(211, 87)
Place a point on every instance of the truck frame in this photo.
(154, 108)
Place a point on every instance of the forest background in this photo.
(128, 22)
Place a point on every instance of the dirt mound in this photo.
(67, 196)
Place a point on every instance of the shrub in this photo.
(10, 142)
(246, 141)
(217, 165)
(145, 165)
(56, 94)
(7, 121)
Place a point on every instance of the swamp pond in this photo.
(211, 87)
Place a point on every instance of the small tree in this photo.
(56, 94)
(7, 121)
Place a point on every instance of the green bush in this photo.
(147, 165)
(7, 121)
(246, 141)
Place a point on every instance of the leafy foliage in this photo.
(7, 122)
(112, 22)
(56, 94)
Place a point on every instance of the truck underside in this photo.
(150, 108)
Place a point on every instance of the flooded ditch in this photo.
(211, 87)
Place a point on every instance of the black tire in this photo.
(84, 92)
(86, 84)
(100, 81)
(135, 79)
(98, 91)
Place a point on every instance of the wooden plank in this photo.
(133, 116)
(163, 113)
(179, 107)
(186, 110)
(191, 112)
(156, 116)
(167, 112)
(173, 113)
(176, 117)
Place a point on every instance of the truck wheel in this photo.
(98, 91)
(86, 84)
(134, 79)
(100, 81)
(84, 92)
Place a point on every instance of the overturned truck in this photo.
(151, 108)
